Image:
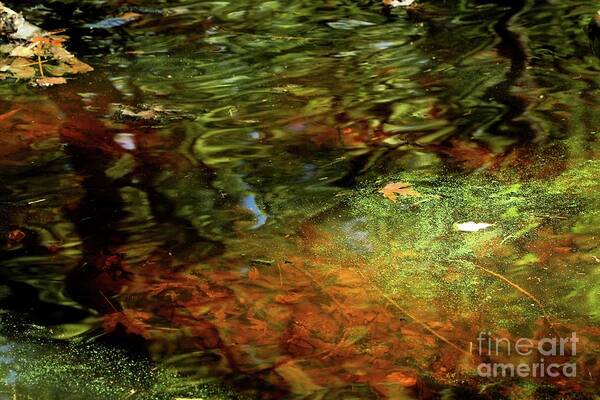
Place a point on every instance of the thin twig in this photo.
(514, 285)
(395, 304)
(109, 302)
(40, 66)
(280, 275)
(33, 63)
(522, 291)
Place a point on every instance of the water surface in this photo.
(232, 242)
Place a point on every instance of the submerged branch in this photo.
(523, 291)
(410, 315)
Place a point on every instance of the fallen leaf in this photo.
(398, 3)
(258, 325)
(78, 67)
(472, 226)
(253, 274)
(22, 51)
(7, 48)
(35, 52)
(392, 190)
(22, 68)
(50, 81)
(290, 298)
(131, 16)
(60, 69)
(403, 378)
(9, 114)
(300, 382)
(145, 114)
(148, 113)
(60, 54)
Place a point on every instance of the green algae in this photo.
(417, 253)
(33, 366)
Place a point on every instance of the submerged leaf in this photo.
(253, 274)
(300, 382)
(134, 321)
(403, 378)
(9, 114)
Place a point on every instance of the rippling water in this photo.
(201, 217)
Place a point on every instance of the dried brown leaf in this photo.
(50, 81)
(79, 67)
(60, 54)
(393, 190)
(22, 68)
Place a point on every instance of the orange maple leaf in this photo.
(392, 190)
(55, 41)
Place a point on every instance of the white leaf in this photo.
(472, 226)
(398, 3)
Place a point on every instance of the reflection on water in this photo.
(208, 199)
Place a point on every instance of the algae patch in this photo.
(33, 366)
(414, 252)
